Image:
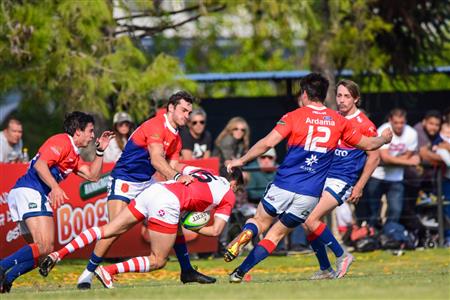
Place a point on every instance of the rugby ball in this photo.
(195, 220)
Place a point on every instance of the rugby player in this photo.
(160, 204)
(313, 132)
(35, 194)
(153, 146)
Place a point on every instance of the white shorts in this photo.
(292, 208)
(126, 190)
(159, 206)
(338, 188)
(26, 202)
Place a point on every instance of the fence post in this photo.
(440, 207)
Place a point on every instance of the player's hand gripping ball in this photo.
(195, 220)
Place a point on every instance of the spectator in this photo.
(442, 143)
(11, 142)
(421, 178)
(259, 179)
(388, 179)
(123, 125)
(196, 140)
(233, 142)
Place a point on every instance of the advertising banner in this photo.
(86, 207)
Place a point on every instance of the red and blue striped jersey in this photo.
(313, 133)
(348, 161)
(62, 157)
(134, 164)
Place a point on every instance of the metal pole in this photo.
(440, 207)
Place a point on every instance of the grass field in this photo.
(376, 275)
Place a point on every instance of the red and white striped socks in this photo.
(139, 264)
(85, 238)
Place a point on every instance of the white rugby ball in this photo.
(195, 220)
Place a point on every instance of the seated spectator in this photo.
(233, 141)
(388, 178)
(123, 125)
(196, 140)
(259, 179)
(11, 142)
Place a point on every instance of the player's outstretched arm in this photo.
(264, 144)
(373, 143)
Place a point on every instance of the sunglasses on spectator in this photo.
(240, 129)
(124, 123)
(266, 156)
(198, 122)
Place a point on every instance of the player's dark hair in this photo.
(315, 86)
(178, 96)
(353, 89)
(397, 112)
(76, 120)
(236, 174)
(433, 114)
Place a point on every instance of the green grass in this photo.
(376, 275)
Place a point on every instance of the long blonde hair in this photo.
(228, 130)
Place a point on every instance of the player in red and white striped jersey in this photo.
(161, 204)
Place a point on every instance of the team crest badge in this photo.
(125, 187)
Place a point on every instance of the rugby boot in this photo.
(235, 247)
(85, 280)
(343, 264)
(324, 274)
(195, 276)
(105, 278)
(236, 276)
(48, 263)
(5, 288)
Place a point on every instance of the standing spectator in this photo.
(388, 179)
(233, 142)
(11, 141)
(421, 178)
(123, 124)
(442, 148)
(196, 140)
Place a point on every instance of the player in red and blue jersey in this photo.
(161, 205)
(153, 146)
(313, 132)
(348, 174)
(35, 194)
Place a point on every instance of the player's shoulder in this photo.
(60, 139)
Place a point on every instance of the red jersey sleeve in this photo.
(54, 150)
(225, 206)
(349, 134)
(284, 125)
(369, 129)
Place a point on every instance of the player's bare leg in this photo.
(262, 220)
(102, 246)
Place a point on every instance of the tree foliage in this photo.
(66, 55)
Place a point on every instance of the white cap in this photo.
(122, 116)
(271, 152)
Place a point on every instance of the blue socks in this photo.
(252, 227)
(182, 253)
(19, 269)
(324, 235)
(22, 255)
(321, 253)
(93, 263)
(260, 252)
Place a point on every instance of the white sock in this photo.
(86, 277)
